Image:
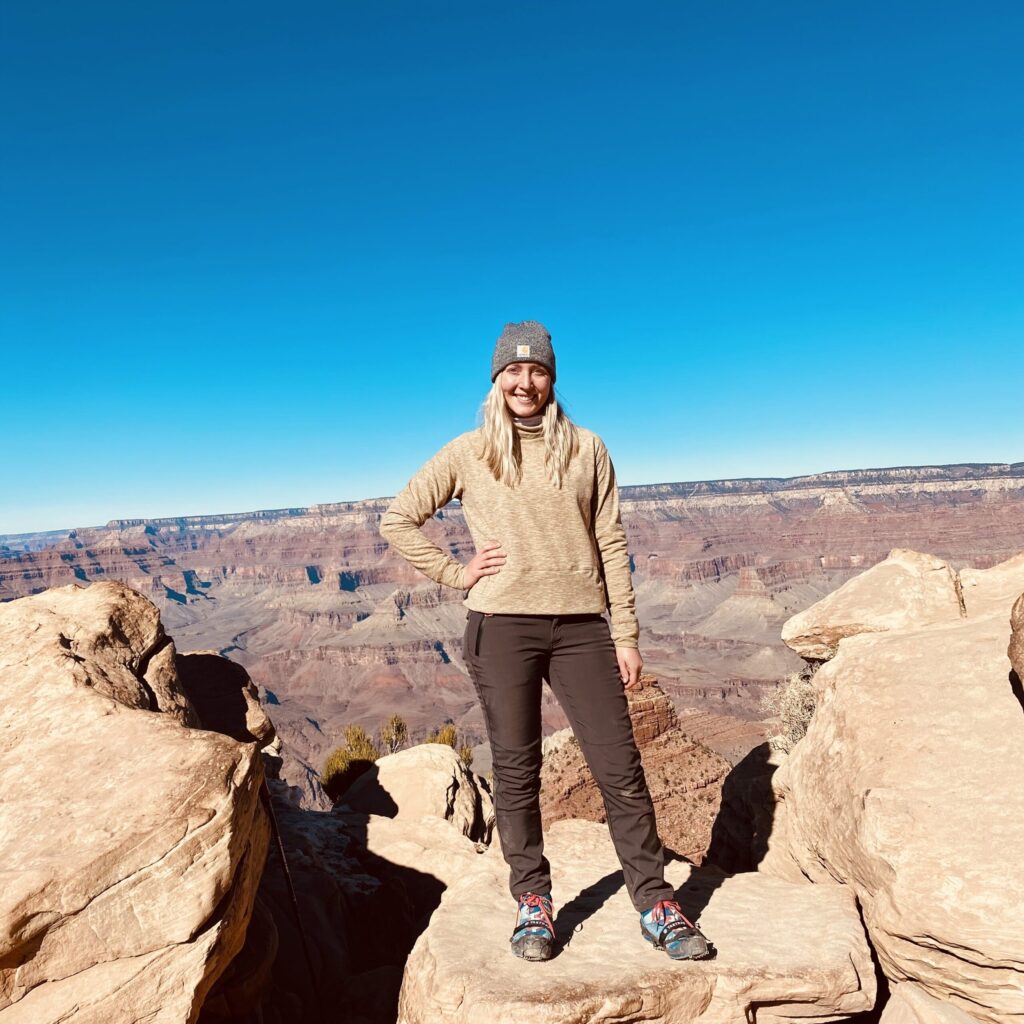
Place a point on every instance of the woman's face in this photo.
(526, 387)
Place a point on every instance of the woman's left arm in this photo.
(611, 543)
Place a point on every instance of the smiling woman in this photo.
(540, 500)
(526, 387)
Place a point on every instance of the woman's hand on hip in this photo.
(630, 664)
(487, 561)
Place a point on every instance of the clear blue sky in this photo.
(256, 255)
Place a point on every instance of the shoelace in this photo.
(666, 911)
(540, 904)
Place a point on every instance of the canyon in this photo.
(335, 629)
(158, 867)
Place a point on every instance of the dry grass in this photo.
(792, 705)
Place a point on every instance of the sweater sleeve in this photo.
(432, 487)
(611, 543)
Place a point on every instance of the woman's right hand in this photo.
(488, 561)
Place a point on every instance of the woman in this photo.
(540, 501)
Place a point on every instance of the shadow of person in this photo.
(743, 825)
(343, 941)
(584, 905)
(217, 689)
(693, 896)
(1016, 688)
(333, 923)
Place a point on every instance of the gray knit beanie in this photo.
(527, 342)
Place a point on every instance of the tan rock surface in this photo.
(428, 780)
(131, 846)
(909, 1004)
(784, 951)
(429, 845)
(909, 787)
(908, 589)
(992, 590)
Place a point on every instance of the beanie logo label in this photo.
(522, 350)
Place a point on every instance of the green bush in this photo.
(394, 734)
(359, 744)
(448, 734)
(345, 764)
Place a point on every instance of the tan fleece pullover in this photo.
(566, 548)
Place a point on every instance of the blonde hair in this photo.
(501, 449)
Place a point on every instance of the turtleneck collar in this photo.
(529, 427)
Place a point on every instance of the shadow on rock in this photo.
(340, 948)
(571, 917)
(335, 951)
(1016, 688)
(739, 836)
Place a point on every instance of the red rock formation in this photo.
(338, 630)
(684, 776)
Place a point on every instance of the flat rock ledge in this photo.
(784, 951)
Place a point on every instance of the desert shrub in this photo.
(359, 744)
(346, 763)
(792, 704)
(394, 734)
(448, 734)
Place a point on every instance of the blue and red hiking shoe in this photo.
(666, 927)
(534, 935)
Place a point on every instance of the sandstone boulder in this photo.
(992, 590)
(224, 697)
(909, 1004)
(428, 780)
(906, 590)
(131, 845)
(784, 951)
(909, 788)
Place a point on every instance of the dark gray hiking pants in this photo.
(509, 657)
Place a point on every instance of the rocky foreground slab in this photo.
(784, 951)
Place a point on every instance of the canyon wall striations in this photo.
(335, 629)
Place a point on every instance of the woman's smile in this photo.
(526, 386)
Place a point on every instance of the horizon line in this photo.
(996, 470)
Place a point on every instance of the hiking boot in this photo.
(534, 935)
(666, 927)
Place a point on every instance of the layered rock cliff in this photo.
(336, 630)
